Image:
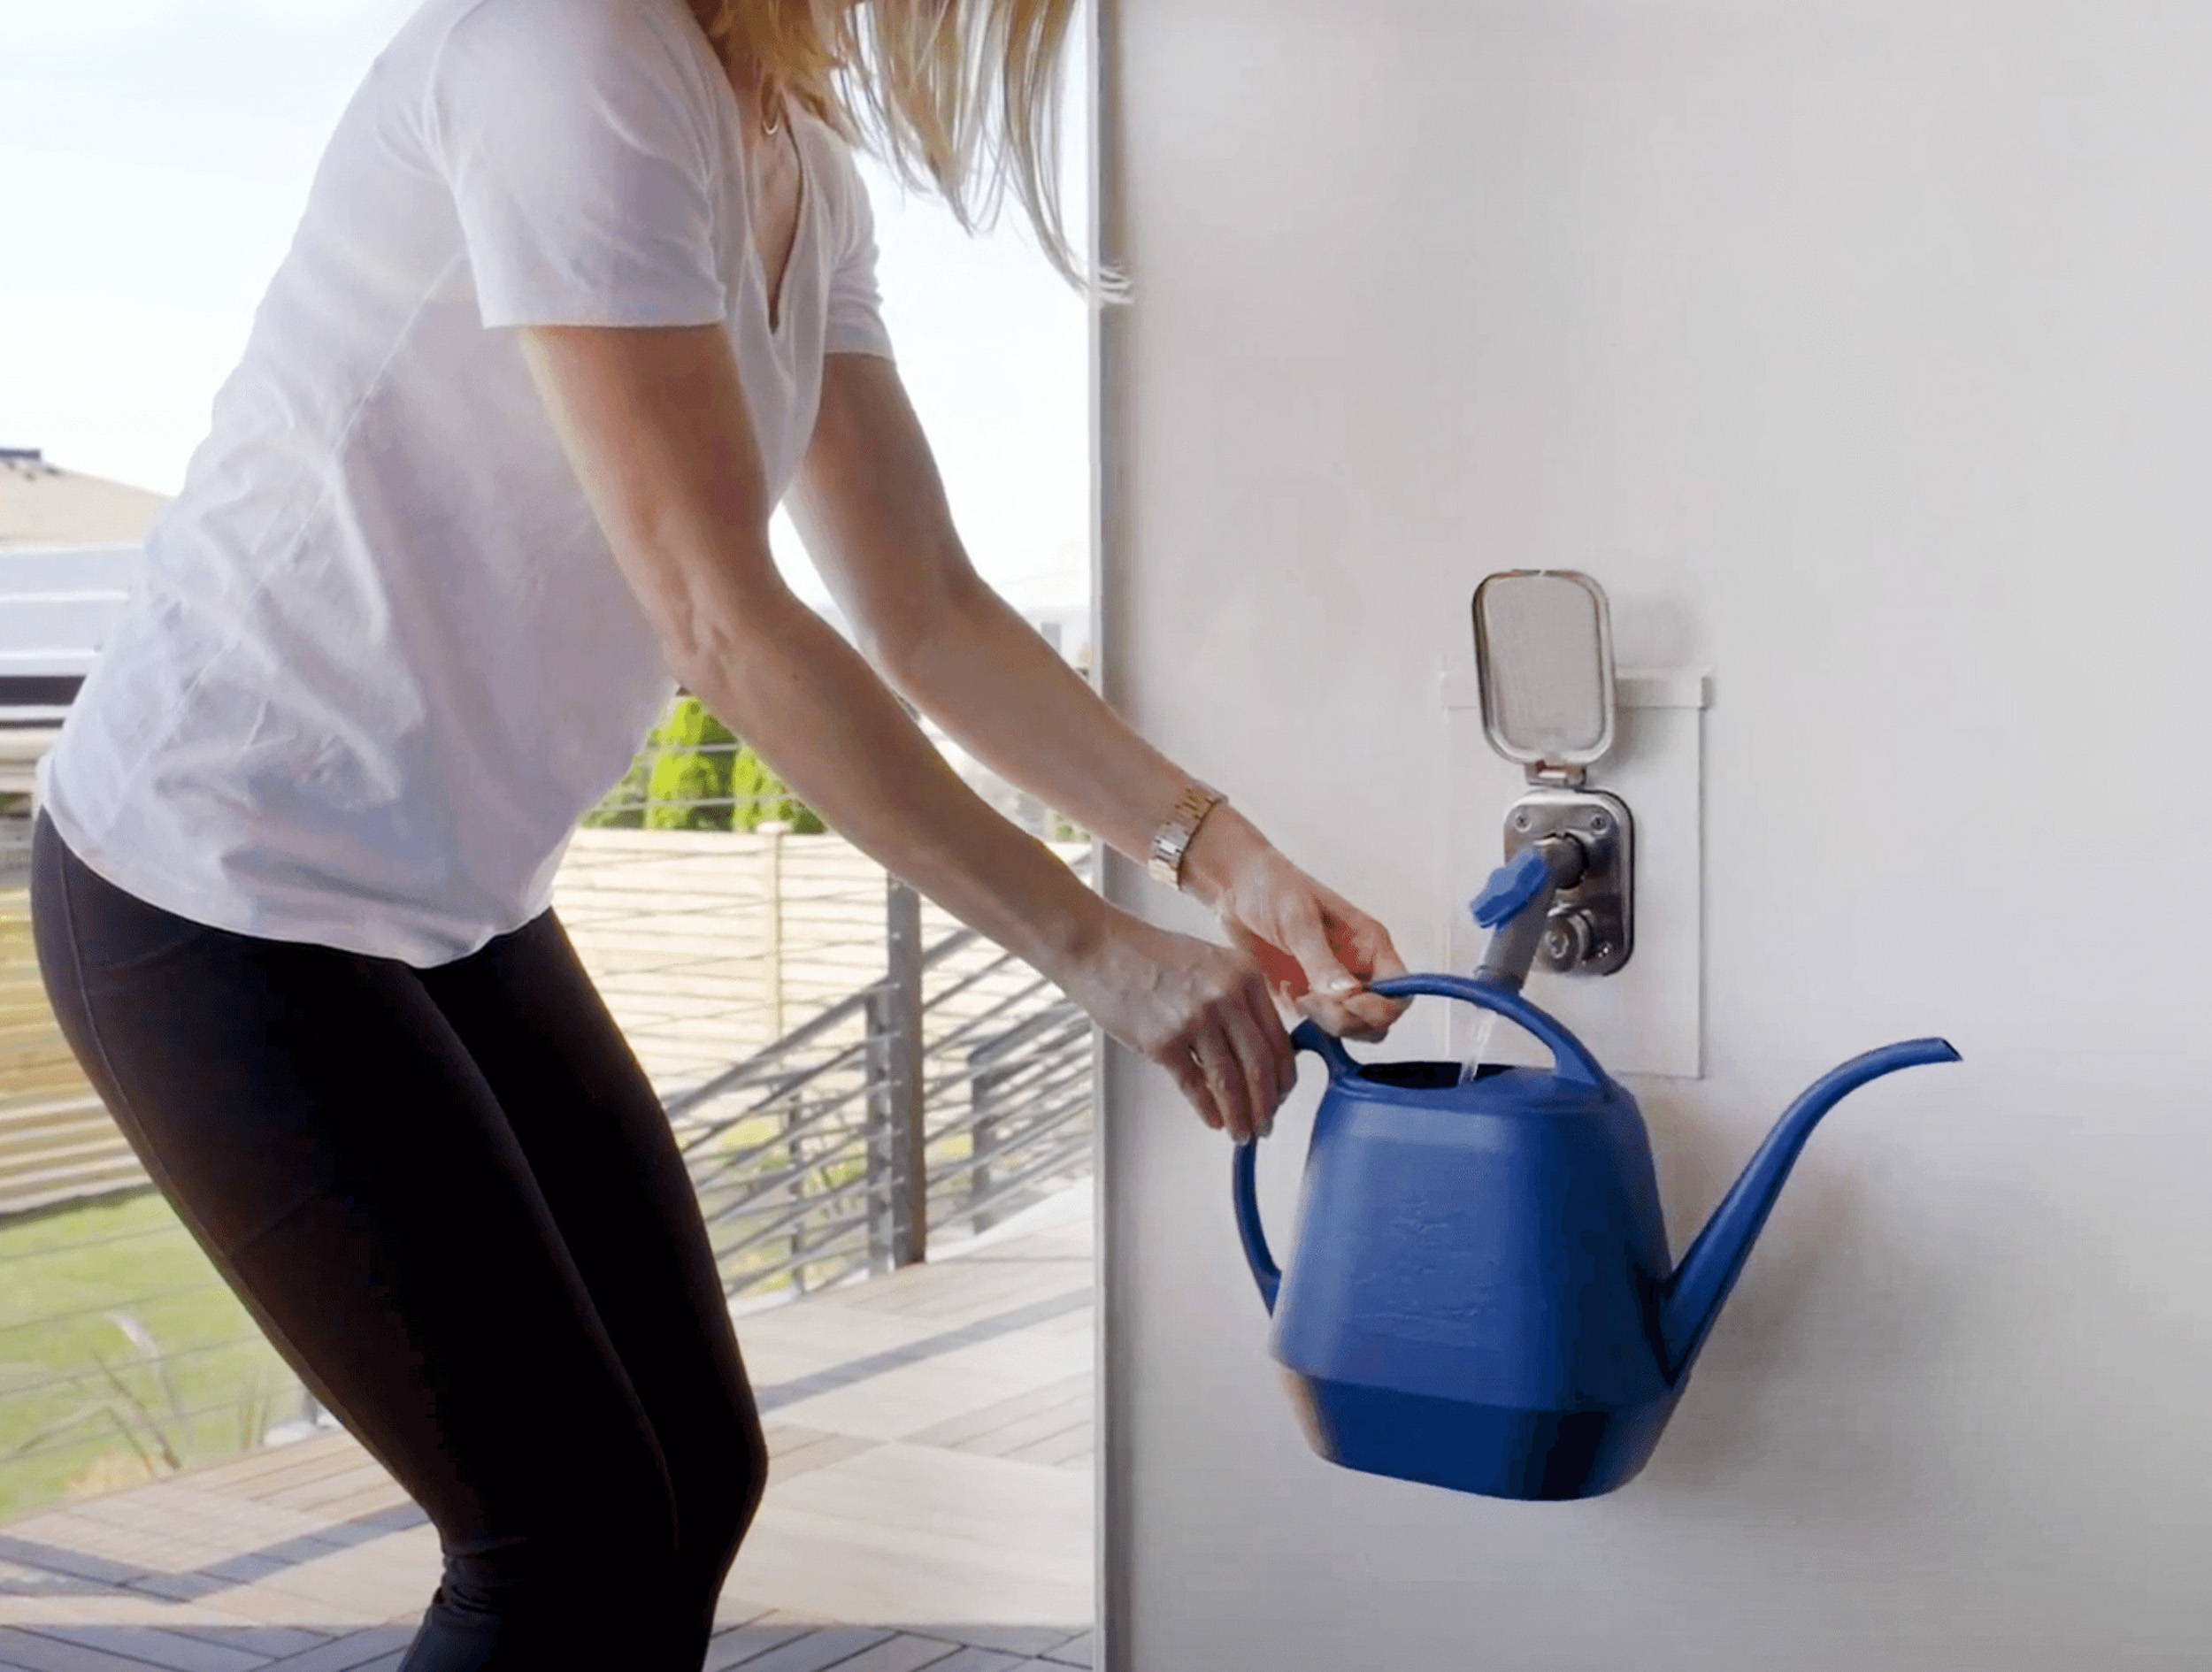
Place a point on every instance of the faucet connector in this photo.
(1515, 905)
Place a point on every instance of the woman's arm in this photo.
(870, 502)
(655, 423)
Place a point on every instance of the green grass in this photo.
(123, 1354)
(83, 1405)
(63, 1275)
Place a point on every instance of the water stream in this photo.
(1485, 1030)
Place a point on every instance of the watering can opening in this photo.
(1424, 1076)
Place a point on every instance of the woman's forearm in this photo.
(993, 682)
(816, 712)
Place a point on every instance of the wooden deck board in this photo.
(925, 1513)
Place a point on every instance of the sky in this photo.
(156, 154)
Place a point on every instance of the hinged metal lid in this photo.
(1544, 661)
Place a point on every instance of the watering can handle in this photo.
(1573, 1058)
(1250, 1231)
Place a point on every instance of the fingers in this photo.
(1368, 953)
(1281, 1054)
(1182, 1061)
(1308, 935)
(1212, 1023)
(1237, 1065)
(1256, 1058)
(1223, 1078)
(1383, 962)
(1373, 1013)
(1335, 995)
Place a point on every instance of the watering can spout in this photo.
(1707, 1272)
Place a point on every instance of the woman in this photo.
(582, 288)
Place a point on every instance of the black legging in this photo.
(452, 1200)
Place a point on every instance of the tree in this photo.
(623, 807)
(761, 795)
(694, 765)
(692, 757)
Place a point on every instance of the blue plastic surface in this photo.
(1480, 1296)
(1511, 888)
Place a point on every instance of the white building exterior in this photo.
(1859, 348)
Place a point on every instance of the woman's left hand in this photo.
(1317, 950)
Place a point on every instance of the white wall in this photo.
(1861, 348)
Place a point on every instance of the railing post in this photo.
(786, 1117)
(898, 1191)
(775, 830)
(983, 1077)
(875, 1060)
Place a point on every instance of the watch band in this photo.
(1172, 838)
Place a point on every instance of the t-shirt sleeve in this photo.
(855, 304)
(571, 135)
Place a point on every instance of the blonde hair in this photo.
(959, 96)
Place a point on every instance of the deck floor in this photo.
(929, 1505)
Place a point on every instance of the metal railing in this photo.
(938, 1099)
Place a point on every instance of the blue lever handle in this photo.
(1511, 888)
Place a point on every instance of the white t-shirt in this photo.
(380, 657)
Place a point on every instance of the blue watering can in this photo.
(1480, 1296)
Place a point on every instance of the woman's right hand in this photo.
(1201, 1011)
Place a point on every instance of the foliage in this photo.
(623, 807)
(696, 750)
(762, 796)
(691, 757)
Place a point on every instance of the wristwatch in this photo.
(1172, 840)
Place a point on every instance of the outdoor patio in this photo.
(930, 1504)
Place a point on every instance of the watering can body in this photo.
(1480, 1295)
